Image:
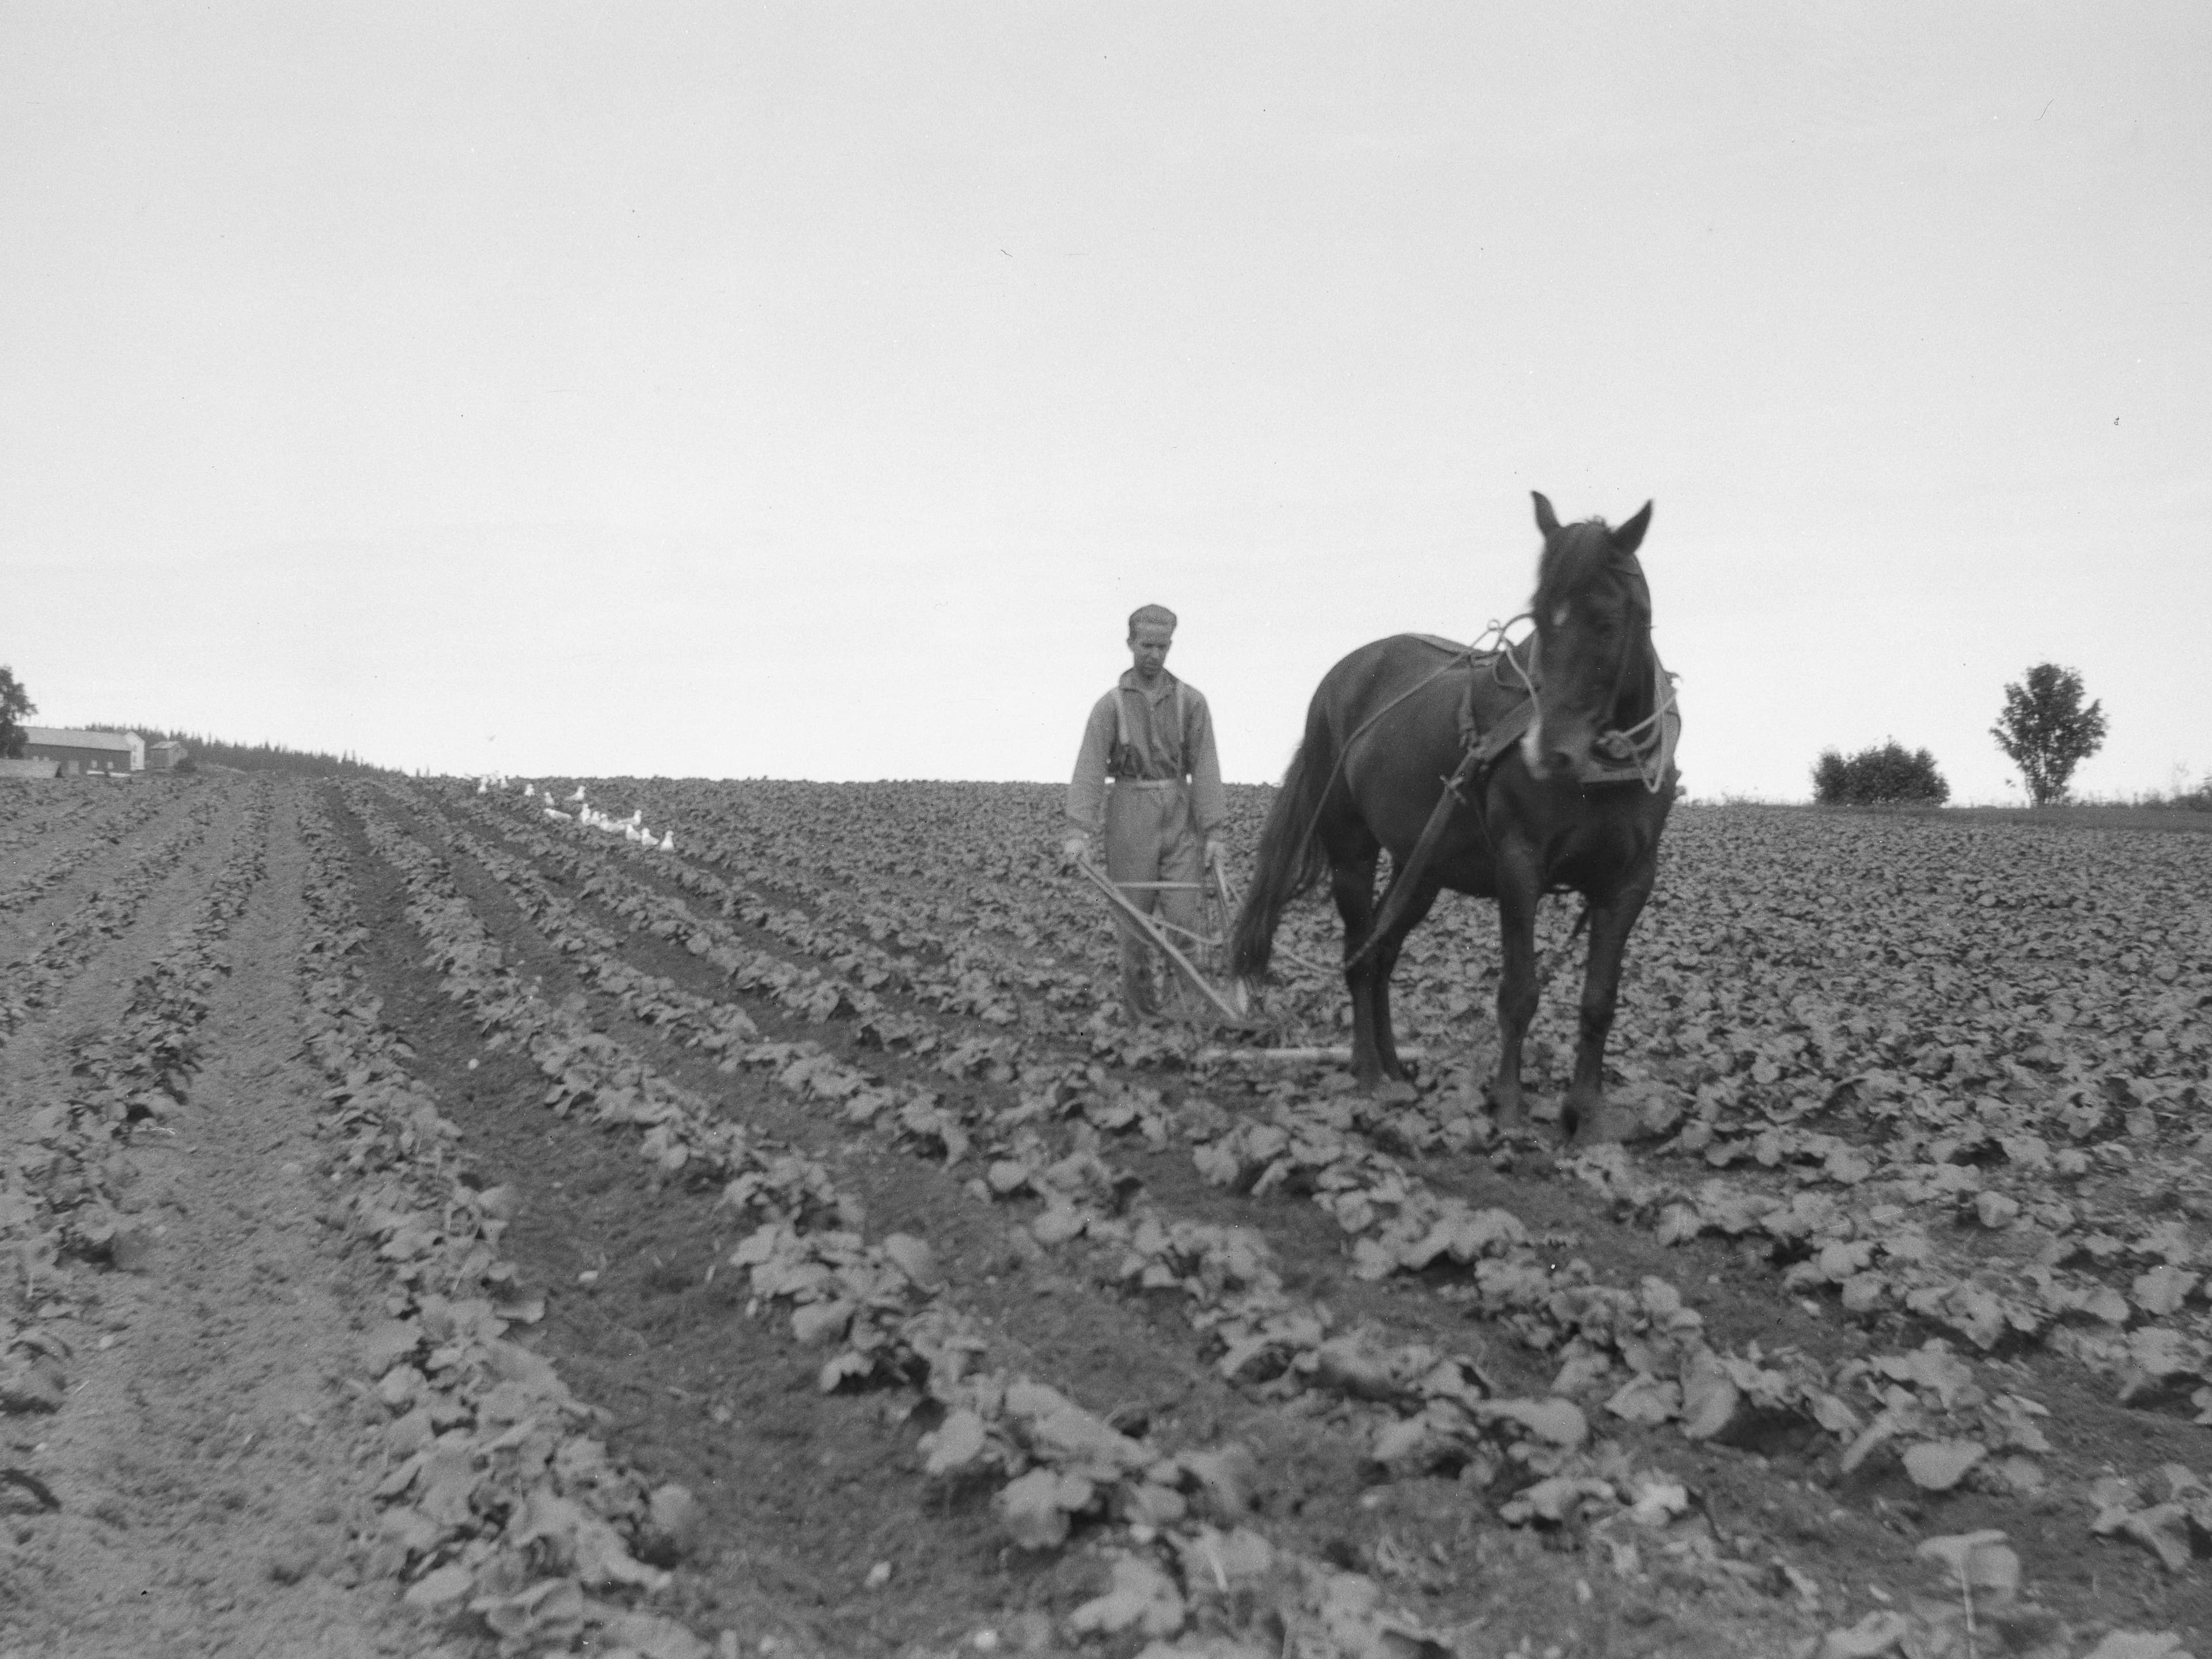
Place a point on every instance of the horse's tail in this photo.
(1291, 858)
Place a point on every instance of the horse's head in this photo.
(1593, 615)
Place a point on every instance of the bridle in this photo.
(1642, 747)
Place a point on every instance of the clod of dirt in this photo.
(673, 1521)
(291, 1563)
(32, 1382)
(1141, 1597)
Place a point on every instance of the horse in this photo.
(1404, 752)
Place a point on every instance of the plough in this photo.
(1234, 1006)
(1153, 928)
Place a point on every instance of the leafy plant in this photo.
(1879, 777)
(2045, 732)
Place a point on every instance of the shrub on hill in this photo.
(1886, 777)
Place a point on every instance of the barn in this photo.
(78, 752)
(163, 757)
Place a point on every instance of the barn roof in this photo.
(62, 737)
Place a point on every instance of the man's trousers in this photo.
(1150, 837)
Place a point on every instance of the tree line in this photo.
(259, 757)
(16, 707)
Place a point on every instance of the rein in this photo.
(1644, 751)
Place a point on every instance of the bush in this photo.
(1879, 777)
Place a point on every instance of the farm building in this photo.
(163, 757)
(85, 752)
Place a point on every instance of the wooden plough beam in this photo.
(1158, 934)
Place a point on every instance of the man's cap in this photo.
(1152, 616)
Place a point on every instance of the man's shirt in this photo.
(1159, 746)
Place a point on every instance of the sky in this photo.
(812, 390)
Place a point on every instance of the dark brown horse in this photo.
(1576, 804)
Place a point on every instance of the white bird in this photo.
(638, 817)
(579, 795)
(668, 842)
(556, 812)
(529, 792)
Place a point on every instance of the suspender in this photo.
(1121, 725)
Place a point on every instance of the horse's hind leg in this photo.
(1352, 885)
(1585, 1117)
(1386, 963)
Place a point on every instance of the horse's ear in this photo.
(1630, 535)
(1546, 520)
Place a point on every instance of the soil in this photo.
(204, 1466)
(208, 1481)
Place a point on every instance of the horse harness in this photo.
(1645, 753)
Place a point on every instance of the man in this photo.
(1153, 737)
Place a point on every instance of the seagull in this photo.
(579, 795)
(668, 842)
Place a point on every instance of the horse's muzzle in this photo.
(1552, 754)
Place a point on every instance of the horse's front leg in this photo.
(1586, 1119)
(1517, 895)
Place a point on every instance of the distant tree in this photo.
(15, 703)
(1886, 776)
(2046, 732)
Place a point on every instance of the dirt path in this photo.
(204, 1463)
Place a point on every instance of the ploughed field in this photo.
(434, 1225)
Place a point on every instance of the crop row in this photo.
(497, 1499)
(877, 1308)
(1936, 1135)
(1932, 951)
(1018, 1001)
(633, 899)
(1438, 1416)
(67, 852)
(29, 813)
(62, 1185)
(31, 982)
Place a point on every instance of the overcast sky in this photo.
(812, 390)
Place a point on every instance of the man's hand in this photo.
(1076, 849)
(1215, 852)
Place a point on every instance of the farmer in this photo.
(1152, 736)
